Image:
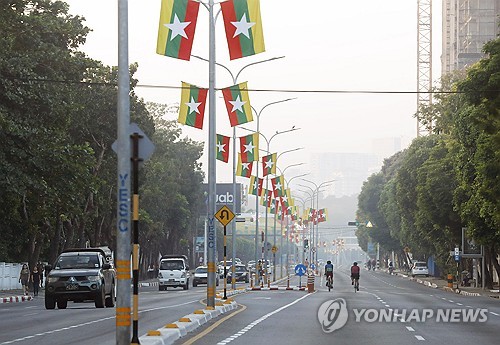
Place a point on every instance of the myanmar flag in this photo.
(244, 169)
(255, 187)
(238, 104)
(243, 27)
(249, 148)
(323, 215)
(278, 184)
(192, 107)
(269, 164)
(267, 198)
(223, 148)
(176, 29)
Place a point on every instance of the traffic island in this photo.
(173, 331)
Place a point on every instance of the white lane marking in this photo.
(259, 320)
(459, 303)
(410, 329)
(492, 312)
(387, 305)
(419, 337)
(90, 323)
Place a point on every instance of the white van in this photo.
(173, 272)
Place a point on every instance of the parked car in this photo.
(241, 274)
(419, 268)
(200, 276)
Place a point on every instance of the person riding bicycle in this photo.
(354, 273)
(329, 271)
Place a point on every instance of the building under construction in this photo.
(467, 26)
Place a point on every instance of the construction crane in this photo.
(424, 64)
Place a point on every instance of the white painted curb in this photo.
(170, 335)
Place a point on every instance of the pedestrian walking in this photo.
(40, 271)
(35, 279)
(24, 278)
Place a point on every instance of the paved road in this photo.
(270, 317)
(83, 324)
(282, 317)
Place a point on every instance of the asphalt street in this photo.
(284, 317)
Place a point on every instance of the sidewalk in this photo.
(17, 295)
(442, 284)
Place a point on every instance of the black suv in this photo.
(81, 274)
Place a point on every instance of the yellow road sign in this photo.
(224, 215)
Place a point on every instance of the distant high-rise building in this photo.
(467, 26)
(349, 170)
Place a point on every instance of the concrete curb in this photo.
(275, 288)
(173, 331)
(14, 299)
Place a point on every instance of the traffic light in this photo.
(306, 243)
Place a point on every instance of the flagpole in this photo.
(233, 240)
(123, 228)
(211, 235)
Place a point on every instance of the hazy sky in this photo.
(328, 45)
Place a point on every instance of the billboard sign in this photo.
(225, 197)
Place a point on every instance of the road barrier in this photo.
(310, 283)
(450, 280)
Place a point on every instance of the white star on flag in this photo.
(242, 26)
(284, 199)
(220, 147)
(255, 185)
(269, 164)
(193, 106)
(177, 27)
(245, 166)
(278, 186)
(273, 206)
(237, 104)
(248, 147)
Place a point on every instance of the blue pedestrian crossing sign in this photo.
(313, 266)
(300, 270)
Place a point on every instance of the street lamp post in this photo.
(317, 190)
(257, 114)
(235, 81)
(310, 224)
(282, 172)
(267, 187)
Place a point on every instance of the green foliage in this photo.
(449, 179)
(57, 125)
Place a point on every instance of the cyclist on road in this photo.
(329, 272)
(354, 273)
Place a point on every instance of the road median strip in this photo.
(175, 330)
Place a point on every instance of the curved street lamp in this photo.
(317, 190)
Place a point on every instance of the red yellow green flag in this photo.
(286, 199)
(255, 187)
(278, 184)
(323, 215)
(249, 148)
(266, 198)
(244, 169)
(192, 107)
(223, 148)
(238, 104)
(243, 25)
(269, 164)
(176, 29)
